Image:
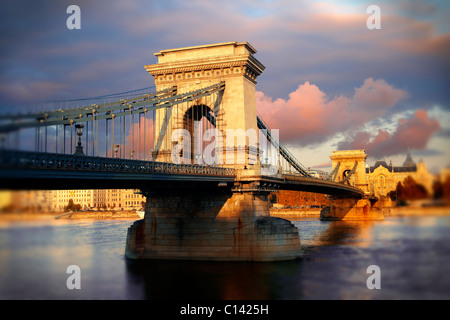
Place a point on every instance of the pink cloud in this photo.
(309, 116)
(412, 133)
(322, 165)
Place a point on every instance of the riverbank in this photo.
(290, 214)
(411, 210)
(20, 216)
(99, 215)
(295, 213)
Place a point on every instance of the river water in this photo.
(412, 253)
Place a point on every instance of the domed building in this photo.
(409, 163)
(383, 178)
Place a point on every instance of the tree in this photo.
(393, 194)
(71, 206)
(438, 190)
(409, 189)
(446, 189)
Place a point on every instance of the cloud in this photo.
(411, 133)
(298, 41)
(309, 116)
(418, 8)
(30, 91)
(322, 165)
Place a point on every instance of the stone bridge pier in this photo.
(350, 168)
(222, 224)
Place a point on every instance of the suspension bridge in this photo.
(193, 144)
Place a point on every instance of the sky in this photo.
(330, 82)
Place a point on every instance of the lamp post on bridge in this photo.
(79, 148)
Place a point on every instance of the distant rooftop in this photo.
(408, 166)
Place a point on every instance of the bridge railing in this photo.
(10, 159)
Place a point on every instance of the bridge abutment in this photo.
(214, 225)
(353, 209)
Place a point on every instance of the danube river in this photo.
(412, 253)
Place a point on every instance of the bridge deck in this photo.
(299, 183)
(50, 171)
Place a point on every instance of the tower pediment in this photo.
(209, 62)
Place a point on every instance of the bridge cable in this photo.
(282, 150)
(350, 173)
(332, 175)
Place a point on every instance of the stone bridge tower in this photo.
(351, 165)
(198, 67)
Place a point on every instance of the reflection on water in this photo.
(413, 254)
(318, 233)
(210, 280)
